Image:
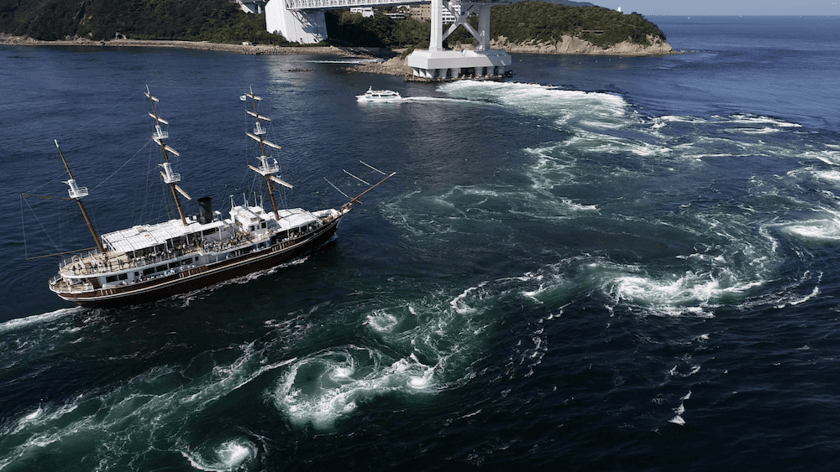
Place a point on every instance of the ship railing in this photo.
(75, 258)
(58, 284)
(54, 279)
(82, 287)
(239, 239)
(90, 265)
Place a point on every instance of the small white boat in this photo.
(379, 96)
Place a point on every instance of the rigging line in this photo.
(88, 122)
(23, 229)
(116, 105)
(98, 117)
(339, 190)
(124, 164)
(47, 197)
(60, 176)
(360, 180)
(374, 168)
(74, 251)
(42, 225)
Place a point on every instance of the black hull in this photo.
(204, 276)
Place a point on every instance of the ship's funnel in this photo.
(205, 210)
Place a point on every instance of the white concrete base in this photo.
(453, 64)
(304, 27)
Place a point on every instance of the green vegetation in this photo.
(207, 20)
(220, 21)
(539, 21)
(519, 23)
(352, 29)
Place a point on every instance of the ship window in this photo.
(160, 268)
(111, 278)
(149, 271)
(173, 265)
(122, 277)
(263, 225)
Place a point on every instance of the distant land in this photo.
(729, 8)
(569, 4)
(552, 27)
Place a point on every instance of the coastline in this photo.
(572, 45)
(566, 45)
(257, 49)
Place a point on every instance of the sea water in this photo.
(601, 263)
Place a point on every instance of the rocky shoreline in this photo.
(566, 45)
(572, 45)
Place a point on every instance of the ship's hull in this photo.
(203, 276)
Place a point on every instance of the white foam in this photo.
(459, 303)
(233, 454)
(817, 229)
(320, 389)
(434, 100)
(680, 410)
(831, 175)
(599, 110)
(42, 416)
(546, 286)
(19, 323)
(230, 455)
(760, 120)
(687, 294)
(680, 119)
(127, 414)
(765, 130)
(596, 143)
(799, 301)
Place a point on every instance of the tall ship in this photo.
(149, 262)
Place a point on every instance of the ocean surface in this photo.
(601, 263)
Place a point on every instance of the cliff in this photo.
(573, 45)
(566, 45)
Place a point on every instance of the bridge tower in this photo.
(439, 64)
(297, 23)
(303, 21)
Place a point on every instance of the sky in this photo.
(724, 7)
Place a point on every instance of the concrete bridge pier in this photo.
(439, 64)
(303, 21)
(302, 26)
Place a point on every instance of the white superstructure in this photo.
(379, 96)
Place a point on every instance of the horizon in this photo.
(722, 8)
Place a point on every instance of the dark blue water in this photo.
(604, 263)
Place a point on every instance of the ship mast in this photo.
(267, 168)
(76, 193)
(168, 175)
